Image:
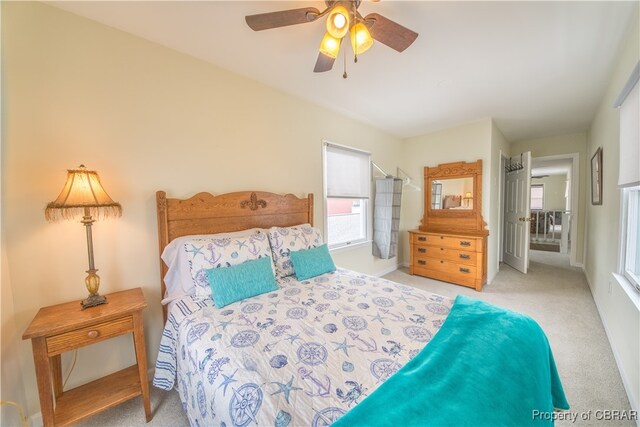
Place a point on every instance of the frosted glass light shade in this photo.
(338, 22)
(330, 46)
(361, 39)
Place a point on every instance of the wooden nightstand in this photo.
(64, 327)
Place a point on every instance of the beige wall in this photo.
(555, 187)
(619, 315)
(564, 144)
(468, 142)
(147, 118)
(11, 386)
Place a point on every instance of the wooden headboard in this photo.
(205, 213)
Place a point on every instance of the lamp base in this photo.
(93, 300)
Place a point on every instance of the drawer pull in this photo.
(422, 239)
(465, 256)
(93, 334)
(464, 270)
(464, 243)
(422, 262)
(422, 250)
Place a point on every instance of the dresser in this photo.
(451, 243)
(458, 258)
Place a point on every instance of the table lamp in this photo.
(83, 194)
(468, 197)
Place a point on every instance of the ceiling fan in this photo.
(343, 18)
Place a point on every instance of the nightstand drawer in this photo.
(68, 341)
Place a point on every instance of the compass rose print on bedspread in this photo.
(245, 404)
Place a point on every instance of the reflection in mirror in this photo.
(456, 193)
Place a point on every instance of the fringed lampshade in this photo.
(83, 195)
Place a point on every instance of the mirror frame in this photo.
(453, 219)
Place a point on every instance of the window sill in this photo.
(342, 248)
(628, 288)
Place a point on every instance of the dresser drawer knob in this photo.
(422, 262)
(464, 270)
(464, 243)
(422, 239)
(465, 256)
(422, 250)
(92, 334)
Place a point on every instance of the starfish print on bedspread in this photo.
(286, 389)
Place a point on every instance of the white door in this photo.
(517, 214)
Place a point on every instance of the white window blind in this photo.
(347, 172)
(629, 103)
(537, 197)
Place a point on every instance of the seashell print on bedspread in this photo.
(303, 355)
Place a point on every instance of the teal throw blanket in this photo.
(486, 366)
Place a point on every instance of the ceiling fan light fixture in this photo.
(330, 46)
(338, 22)
(361, 39)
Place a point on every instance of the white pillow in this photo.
(179, 280)
(285, 240)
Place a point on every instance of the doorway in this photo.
(553, 222)
(554, 206)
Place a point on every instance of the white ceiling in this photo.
(550, 167)
(537, 68)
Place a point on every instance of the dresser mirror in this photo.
(452, 193)
(455, 199)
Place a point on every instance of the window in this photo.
(537, 197)
(347, 184)
(631, 235)
(629, 178)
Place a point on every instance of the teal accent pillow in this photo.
(308, 263)
(235, 283)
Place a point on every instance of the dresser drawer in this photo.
(442, 265)
(88, 335)
(453, 276)
(462, 243)
(447, 254)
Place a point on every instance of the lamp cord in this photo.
(23, 419)
(73, 365)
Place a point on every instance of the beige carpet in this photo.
(554, 294)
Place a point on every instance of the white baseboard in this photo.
(35, 420)
(579, 265)
(386, 271)
(405, 264)
(625, 379)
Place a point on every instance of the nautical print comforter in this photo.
(303, 355)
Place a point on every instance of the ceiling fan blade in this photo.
(390, 33)
(323, 63)
(283, 18)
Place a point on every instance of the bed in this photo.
(311, 351)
